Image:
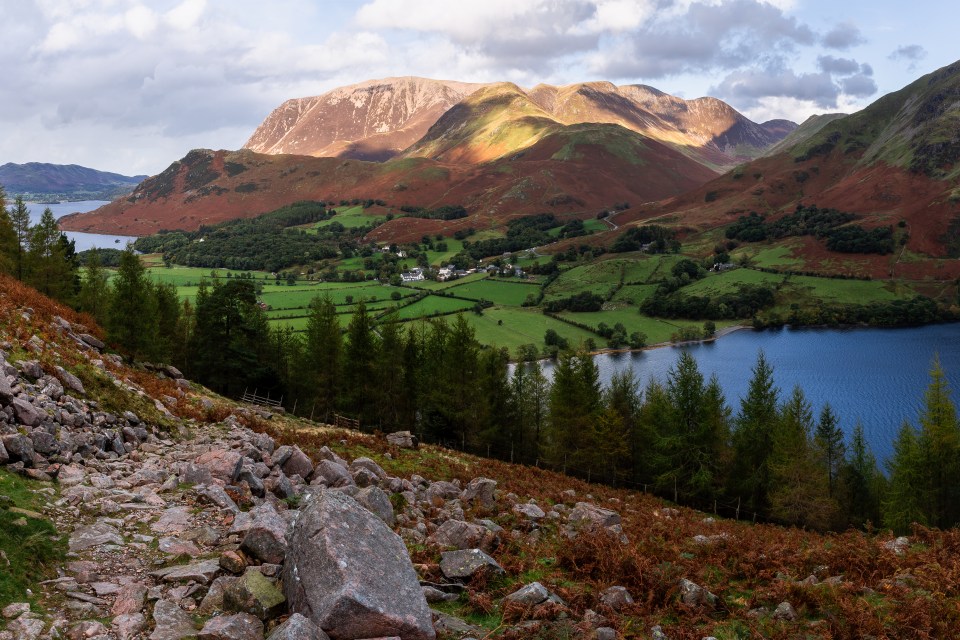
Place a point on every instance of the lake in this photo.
(83, 241)
(876, 376)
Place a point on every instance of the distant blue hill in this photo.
(42, 180)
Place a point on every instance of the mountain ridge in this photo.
(45, 179)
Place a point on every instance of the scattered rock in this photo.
(459, 565)
(616, 598)
(693, 595)
(298, 627)
(266, 539)
(172, 622)
(529, 595)
(785, 611)
(240, 626)
(481, 491)
(402, 439)
(254, 594)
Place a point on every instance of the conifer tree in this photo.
(359, 367)
(94, 295)
(574, 400)
(907, 495)
(753, 439)
(391, 395)
(8, 237)
(50, 269)
(798, 483)
(321, 368)
(131, 321)
(20, 219)
(940, 446)
(861, 482)
(829, 438)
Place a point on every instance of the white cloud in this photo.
(186, 14)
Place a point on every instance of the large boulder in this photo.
(223, 464)
(351, 575)
(298, 464)
(332, 474)
(26, 413)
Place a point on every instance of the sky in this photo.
(132, 85)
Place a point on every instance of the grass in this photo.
(715, 284)
(836, 290)
(32, 546)
(349, 217)
(433, 305)
(501, 292)
(512, 327)
(657, 330)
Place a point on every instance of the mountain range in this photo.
(502, 151)
(42, 180)
(494, 148)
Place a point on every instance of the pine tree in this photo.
(574, 399)
(907, 497)
(132, 320)
(460, 368)
(829, 438)
(753, 439)
(391, 394)
(861, 482)
(321, 368)
(940, 447)
(20, 219)
(94, 296)
(8, 237)
(359, 367)
(49, 269)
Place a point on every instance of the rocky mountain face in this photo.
(378, 119)
(373, 120)
(63, 181)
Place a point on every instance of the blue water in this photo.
(876, 376)
(83, 241)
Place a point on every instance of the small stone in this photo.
(130, 599)
(241, 626)
(529, 595)
(233, 561)
(172, 622)
(616, 598)
(254, 594)
(129, 625)
(298, 627)
(605, 633)
(466, 563)
(785, 611)
(15, 610)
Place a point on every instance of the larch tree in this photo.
(753, 433)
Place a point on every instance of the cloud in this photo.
(696, 37)
(911, 52)
(747, 87)
(859, 86)
(843, 36)
(839, 66)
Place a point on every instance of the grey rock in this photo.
(332, 474)
(616, 597)
(93, 341)
(70, 381)
(213, 600)
(374, 499)
(298, 464)
(656, 633)
(201, 572)
(94, 535)
(585, 514)
(467, 562)
(25, 412)
(44, 443)
(172, 622)
(4, 456)
(442, 490)
(785, 611)
(223, 464)
(254, 594)
(605, 633)
(363, 477)
(240, 626)
(434, 595)
(31, 368)
(192, 473)
(369, 465)
(18, 446)
(351, 575)
(530, 511)
(129, 599)
(26, 628)
(298, 627)
(15, 610)
(325, 453)
(216, 494)
(481, 491)
(6, 391)
(693, 595)
(172, 371)
(402, 439)
(529, 595)
(452, 626)
(173, 520)
(266, 539)
(129, 625)
(461, 535)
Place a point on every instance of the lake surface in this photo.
(83, 241)
(876, 376)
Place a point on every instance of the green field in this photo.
(349, 217)
(432, 305)
(634, 293)
(511, 327)
(715, 284)
(836, 290)
(500, 292)
(656, 329)
(433, 285)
